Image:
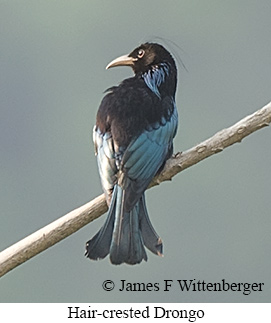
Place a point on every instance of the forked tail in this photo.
(124, 234)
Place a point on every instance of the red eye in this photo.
(140, 53)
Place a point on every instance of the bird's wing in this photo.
(144, 157)
(104, 149)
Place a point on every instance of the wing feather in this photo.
(144, 157)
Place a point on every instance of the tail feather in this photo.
(124, 234)
(137, 250)
(127, 245)
(151, 239)
(98, 247)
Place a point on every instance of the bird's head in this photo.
(154, 64)
(145, 57)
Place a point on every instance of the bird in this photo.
(133, 138)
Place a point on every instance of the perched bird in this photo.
(135, 126)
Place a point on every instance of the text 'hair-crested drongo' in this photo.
(133, 137)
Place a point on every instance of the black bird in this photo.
(136, 123)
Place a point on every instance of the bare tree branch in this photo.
(76, 219)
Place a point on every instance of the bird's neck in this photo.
(160, 79)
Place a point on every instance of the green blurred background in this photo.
(214, 218)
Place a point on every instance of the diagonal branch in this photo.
(76, 219)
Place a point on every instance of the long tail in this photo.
(124, 234)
